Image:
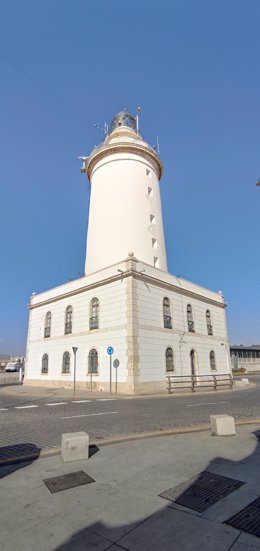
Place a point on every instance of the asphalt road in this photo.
(42, 420)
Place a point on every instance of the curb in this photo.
(49, 452)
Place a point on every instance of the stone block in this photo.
(74, 446)
(241, 383)
(222, 425)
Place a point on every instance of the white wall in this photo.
(154, 338)
(119, 212)
(112, 323)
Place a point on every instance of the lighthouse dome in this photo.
(123, 119)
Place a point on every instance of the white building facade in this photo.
(158, 324)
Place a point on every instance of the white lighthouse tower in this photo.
(125, 207)
(155, 323)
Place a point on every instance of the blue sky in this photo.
(193, 67)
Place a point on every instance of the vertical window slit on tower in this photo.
(152, 218)
(154, 243)
(156, 262)
(150, 191)
(148, 172)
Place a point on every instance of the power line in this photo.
(42, 87)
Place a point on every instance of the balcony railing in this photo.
(93, 323)
(68, 327)
(47, 332)
(191, 328)
(167, 322)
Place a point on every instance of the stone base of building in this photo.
(151, 387)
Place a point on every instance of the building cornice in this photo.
(140, 276)
(123, 147)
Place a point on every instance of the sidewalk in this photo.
(122, 508)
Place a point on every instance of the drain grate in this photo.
(201, 491)
(66, 481)
(247, 520)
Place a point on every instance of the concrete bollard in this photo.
(222, 425)
(74, 446)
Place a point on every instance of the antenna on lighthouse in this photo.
(104, 128)
(158, 147)
(137, 118)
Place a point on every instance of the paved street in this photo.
(28, 415)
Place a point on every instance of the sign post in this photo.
(74, 348)
(110, 351)
(116, 365)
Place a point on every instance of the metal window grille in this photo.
(47, 325)
(45, 361)
(66, 362)
(212, 361)
(167, 319)
(68, 320)
(93, 323)
(210, 329)
(169, 359)
(190, 321)
(93, 361)
(209, 324)
(94, 314)
(68, 327)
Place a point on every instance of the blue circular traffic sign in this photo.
(110, 350)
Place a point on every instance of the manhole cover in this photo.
(247, 520)
(66, 481)
(202, 491)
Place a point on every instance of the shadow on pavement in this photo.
(16, 457)
(173, 527)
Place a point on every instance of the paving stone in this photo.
(178, 531)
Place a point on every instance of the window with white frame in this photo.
(167, 318)
(68, 320)
(45, 363)
(169, 364)
(94, 314)
(47, 325)
(93, 361)
(190, 320)
(66, 362)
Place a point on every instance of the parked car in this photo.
(13, 366)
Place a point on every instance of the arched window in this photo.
(167, 319)
(190, 319)
(47, 325)
(93, 361)
(212, 361)
(94, 314)
(66, 362)
(169, 359)
(68, 320)
(45, 362)
(209, 324)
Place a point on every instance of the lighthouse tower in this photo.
(125, 206)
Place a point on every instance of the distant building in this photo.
(4, 359)
(158, 324)
(247, 357)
